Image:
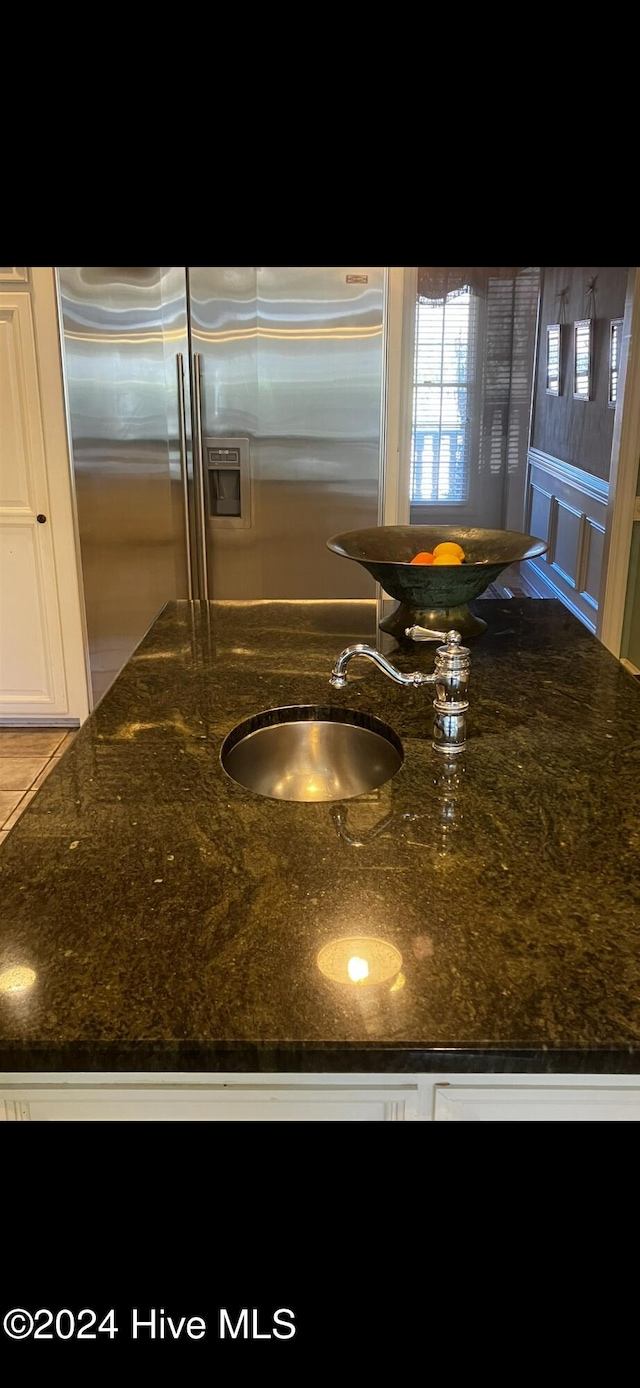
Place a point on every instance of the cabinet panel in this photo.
(535, 1104)
(284, 1098)
(24, 665)
(14, 470)
(203, 1105)
(13, 274)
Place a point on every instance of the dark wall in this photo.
(579, 432)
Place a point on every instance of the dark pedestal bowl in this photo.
(434, 596)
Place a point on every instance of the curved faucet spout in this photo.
(339, 672)
(450, 676)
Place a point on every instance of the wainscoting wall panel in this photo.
(568, 508)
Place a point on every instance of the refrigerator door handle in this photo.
(182, 426)
(198, 472)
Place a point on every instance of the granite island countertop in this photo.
(173, 919)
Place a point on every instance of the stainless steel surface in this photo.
(292, 359)
(121, 330)
(450, 676)
(198, 470)
(311, 754)
(287, 359)
(339, 672)
(182, 430)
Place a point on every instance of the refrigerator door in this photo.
(289, 362)
(126, 364)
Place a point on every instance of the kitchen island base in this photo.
(283, 1098)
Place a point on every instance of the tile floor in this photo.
(27, 755)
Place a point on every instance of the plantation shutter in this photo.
(443, 366)
(473, 366)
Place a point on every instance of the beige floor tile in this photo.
(27, 742)
(21, 807)
(19, 773)
(67, 740)
(3, 834)
(8, 802)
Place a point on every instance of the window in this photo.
(468, 384)
(441, 409)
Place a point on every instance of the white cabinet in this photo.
(13, 274)
(536, 1103)
(232, 1100)
(42, 667)
(317, 1098)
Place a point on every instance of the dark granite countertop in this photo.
(173, 920)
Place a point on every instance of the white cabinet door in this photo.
(13, 274)
(268, 1103)
(32, 672)
(273, 1098)
(536, 1103)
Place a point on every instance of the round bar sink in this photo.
(311, 753)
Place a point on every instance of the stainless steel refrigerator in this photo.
(224, 423)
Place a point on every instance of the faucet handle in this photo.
(452, 638)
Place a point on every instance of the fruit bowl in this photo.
(434, 596)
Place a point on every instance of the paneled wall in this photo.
(579, 432)
(571, 440)
(568, 508)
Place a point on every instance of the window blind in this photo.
(473, 366)
(441, 389)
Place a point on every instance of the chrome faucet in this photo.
(450, 677)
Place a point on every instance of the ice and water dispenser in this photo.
(228, 482)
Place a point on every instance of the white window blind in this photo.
(442, 384)
(472, 378)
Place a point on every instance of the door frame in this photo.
(396, 470)
(623, 478)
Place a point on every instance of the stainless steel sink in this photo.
(310, 752)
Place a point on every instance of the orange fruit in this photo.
(424, 557)
(449, 547)
(447, 557)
